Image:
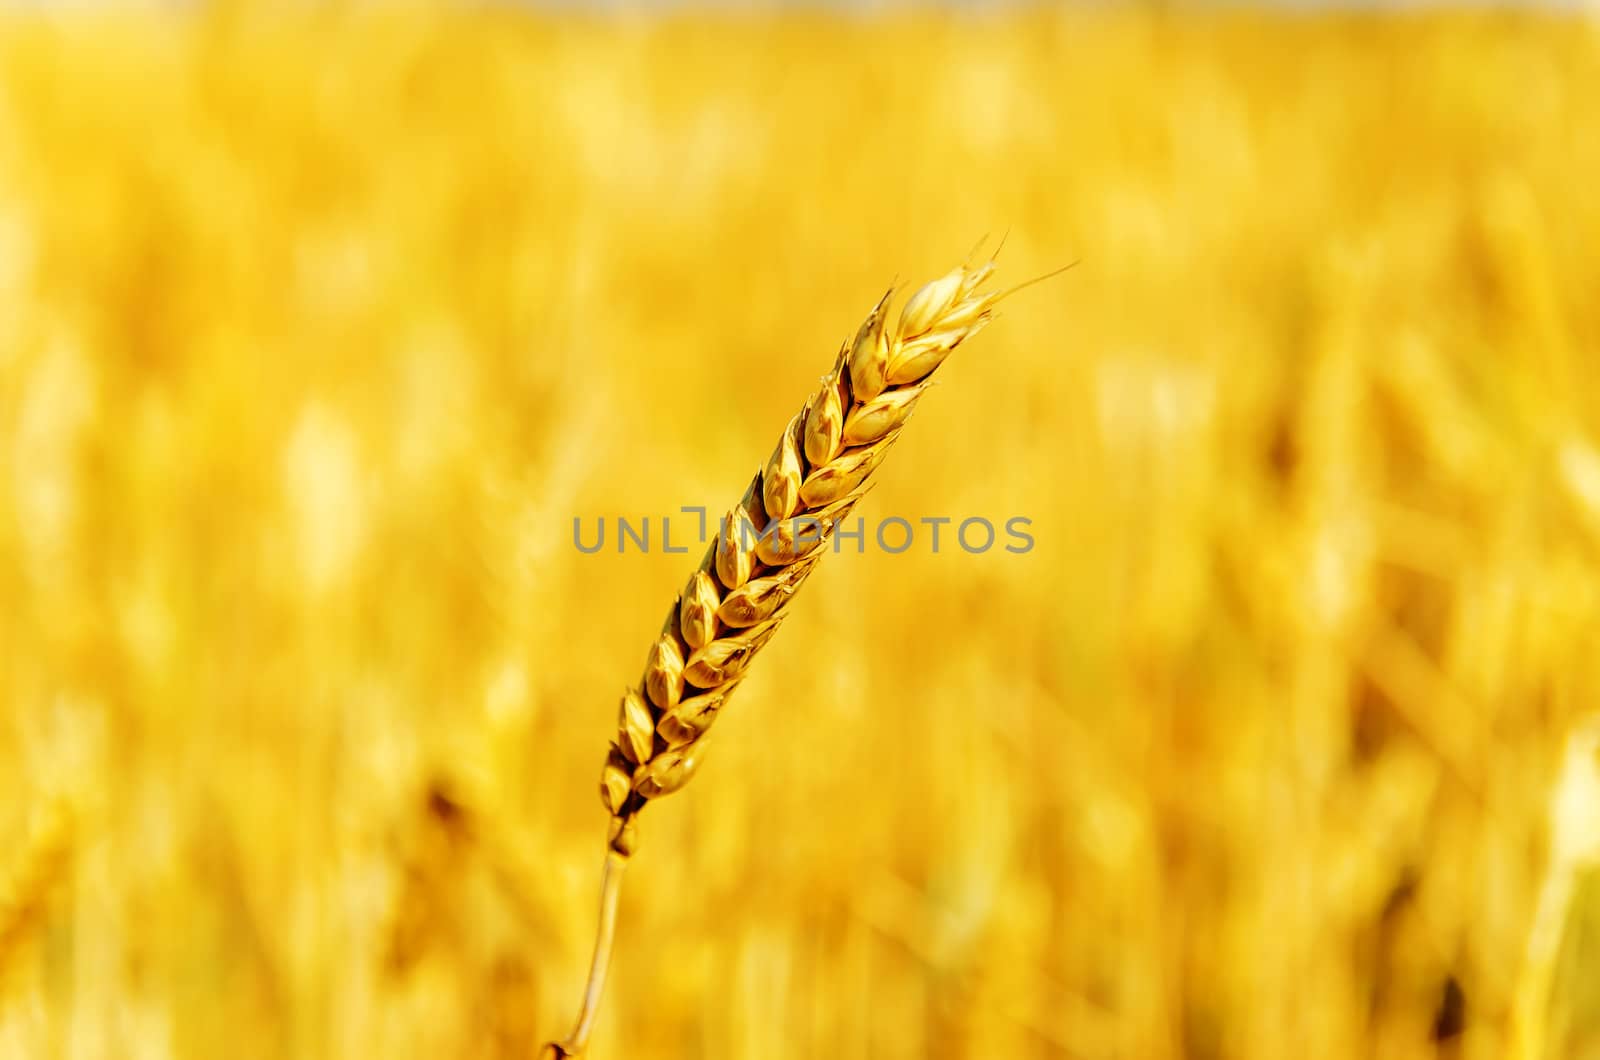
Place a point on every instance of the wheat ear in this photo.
(765, 548)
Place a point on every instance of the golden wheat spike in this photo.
(734, 602)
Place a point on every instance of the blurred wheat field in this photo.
(318, 330)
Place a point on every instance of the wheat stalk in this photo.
(765, 548)
(1574, 850)
(42, 864)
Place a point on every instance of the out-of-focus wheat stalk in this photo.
(765, 548)
(1574, 849)
(39, 867)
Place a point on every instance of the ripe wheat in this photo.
(766, 546)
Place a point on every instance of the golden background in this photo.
(318, 329)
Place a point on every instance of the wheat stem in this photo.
(605, 936)
(1574, 850)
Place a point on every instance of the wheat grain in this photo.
(766, 546)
